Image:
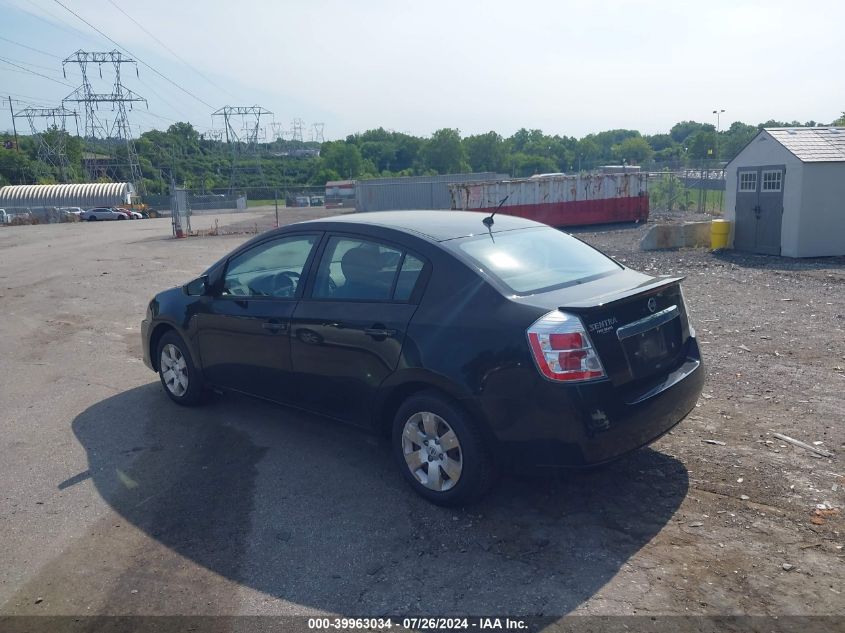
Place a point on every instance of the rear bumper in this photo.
(595, 423)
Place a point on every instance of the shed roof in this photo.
(812, 144)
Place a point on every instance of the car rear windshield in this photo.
(537, 259)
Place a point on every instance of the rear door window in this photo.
(410, 272)
(535, 260)
(365, 270)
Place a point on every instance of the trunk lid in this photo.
(638, 324)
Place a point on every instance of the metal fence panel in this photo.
(415, 192)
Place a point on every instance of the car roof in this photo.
(437, 226)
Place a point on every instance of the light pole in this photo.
(718, 114)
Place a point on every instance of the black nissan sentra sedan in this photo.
(474, 342)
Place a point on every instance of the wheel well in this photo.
(388, 409)
(398, 395)
(160, 330)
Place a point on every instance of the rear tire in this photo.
(178, 374)
(440, 451)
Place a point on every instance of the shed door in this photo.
(770, 206)
(745, 231)
(759, 209)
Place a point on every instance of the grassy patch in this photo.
(264, 203)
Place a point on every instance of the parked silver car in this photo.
(101, 213)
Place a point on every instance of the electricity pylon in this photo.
(317, 132)
(279, 133)
(52, 141)
(104, 130)
(296, 127)
(243, 141)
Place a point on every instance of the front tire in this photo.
(440, 451)
(178, 374)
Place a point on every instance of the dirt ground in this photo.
(114, 501)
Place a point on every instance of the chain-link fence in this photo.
(242, 199)
(699, 188)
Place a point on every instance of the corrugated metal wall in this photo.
(85, 195)
(550, 190)
(416, 192)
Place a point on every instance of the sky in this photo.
(568, 68)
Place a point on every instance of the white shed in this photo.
(785, 192)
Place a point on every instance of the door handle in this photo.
(274, 326)
(336, 324)
(377, 332)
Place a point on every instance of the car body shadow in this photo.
(313, 512)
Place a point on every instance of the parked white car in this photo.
(101, 213)
(78, 211)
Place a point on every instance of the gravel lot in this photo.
(115, 501)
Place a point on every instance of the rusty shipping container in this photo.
(560, 199)
(412, 192)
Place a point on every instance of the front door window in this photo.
(271, 269)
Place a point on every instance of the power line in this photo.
(39, 66)
(127, 51)
(37, 50)
(21, 98)
(32, 72)
(170, 50)
(75, 32)
(160, 98)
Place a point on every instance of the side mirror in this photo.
(198, 287)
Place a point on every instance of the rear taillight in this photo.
(562, 349)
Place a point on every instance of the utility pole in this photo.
(98, 129)
(14, 128)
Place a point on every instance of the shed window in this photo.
(748, 181)
(772, 180)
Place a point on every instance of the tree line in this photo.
(182, 154)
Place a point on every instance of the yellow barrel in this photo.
(719, 232)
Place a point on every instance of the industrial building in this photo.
(785, 192)
(86, 196)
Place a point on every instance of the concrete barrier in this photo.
(686, 235)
